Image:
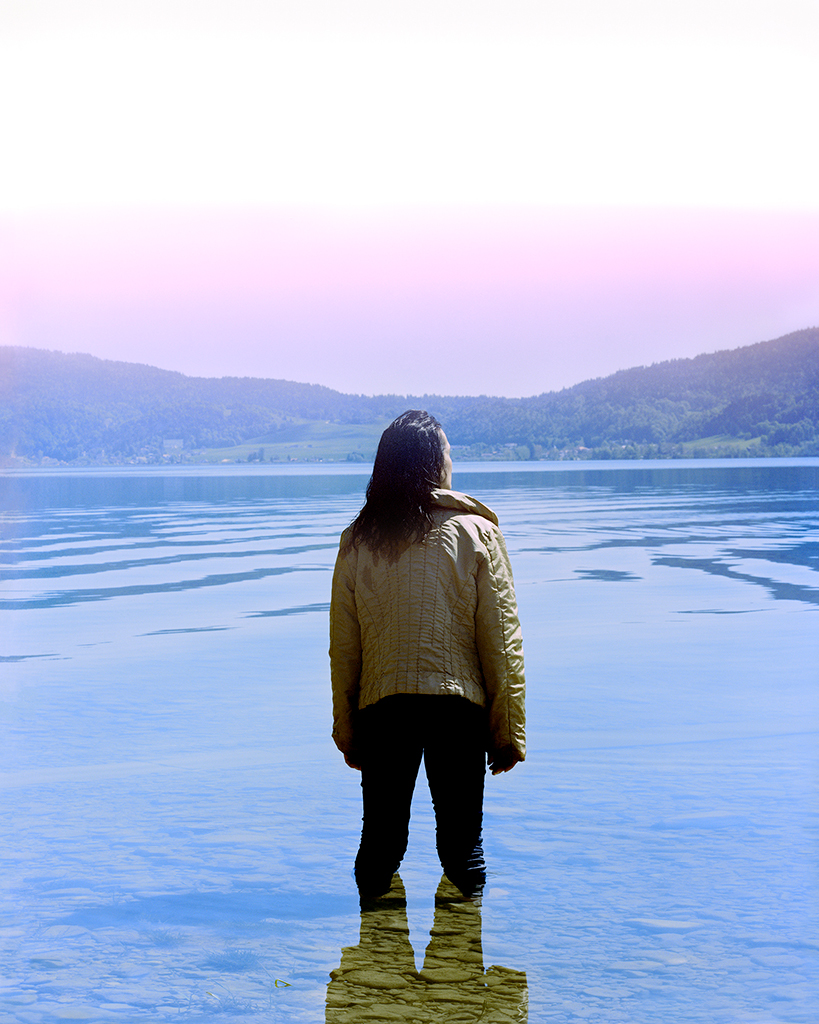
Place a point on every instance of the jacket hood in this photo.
(459, 502)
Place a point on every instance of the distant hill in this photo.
(761, 399)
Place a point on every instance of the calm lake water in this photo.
(179, 829)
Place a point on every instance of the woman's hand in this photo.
(503, 761)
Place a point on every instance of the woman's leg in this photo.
(390, 756)
(455, 762)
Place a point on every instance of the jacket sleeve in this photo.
(345, 650)
(500, 646)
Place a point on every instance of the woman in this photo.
(426, 655)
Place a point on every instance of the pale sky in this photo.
(501, 198)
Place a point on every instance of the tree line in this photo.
(761, 399)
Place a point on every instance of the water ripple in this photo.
(63, 598)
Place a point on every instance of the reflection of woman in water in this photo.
(426, 655)
(377, 980)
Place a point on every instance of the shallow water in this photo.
(180, 829)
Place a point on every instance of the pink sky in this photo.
(408, 204)
(474, 302)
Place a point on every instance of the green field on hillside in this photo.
(305, 442)
(722, 444)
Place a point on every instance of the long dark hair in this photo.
(407, 468)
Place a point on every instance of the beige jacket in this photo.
(442, 618)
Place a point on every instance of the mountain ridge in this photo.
(74, 408)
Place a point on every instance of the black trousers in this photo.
(450, 734)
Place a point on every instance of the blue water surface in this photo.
(179, 829)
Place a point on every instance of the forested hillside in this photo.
(762, 399)
(766, 395)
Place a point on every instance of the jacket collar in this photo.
(459, 502)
